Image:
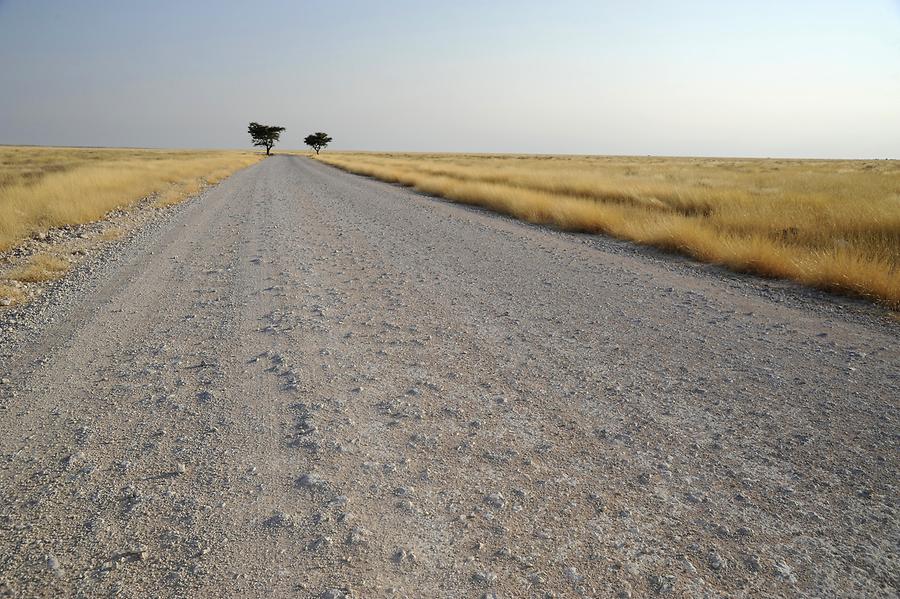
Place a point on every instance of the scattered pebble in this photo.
(402, 555)
(311, 481)
(662, 584)
(403, 491)
(53, 565)
(785, 572)
(358, 536)
(74, 459)
(319, 543)
(279, 519)
(753, 563)
(484, 578)
(495, 500)
(716, 561)
(572, 575)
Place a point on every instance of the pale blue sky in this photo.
(763, 78)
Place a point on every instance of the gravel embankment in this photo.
(311, 384)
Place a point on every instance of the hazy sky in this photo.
(813, 78)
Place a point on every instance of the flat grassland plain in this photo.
(830, 224)
(44, 187)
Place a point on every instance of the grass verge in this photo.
(40, 267)
(41, 188)
(830, 224)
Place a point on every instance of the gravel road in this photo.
(312, 384)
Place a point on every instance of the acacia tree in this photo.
(264, 135)
(317, 141)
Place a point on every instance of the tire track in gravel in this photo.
(314, 384)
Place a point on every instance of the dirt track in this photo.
(313, 384)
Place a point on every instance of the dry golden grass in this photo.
(10, 296)
(834, 225)
(40, 267)
(42, 188)
(112, 234)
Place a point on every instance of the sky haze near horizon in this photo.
(700, 77)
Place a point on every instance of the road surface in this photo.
(313, 384)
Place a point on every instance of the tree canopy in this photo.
(264, 135)
(317, 141)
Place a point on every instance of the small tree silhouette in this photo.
(317, 141)
(264, 135)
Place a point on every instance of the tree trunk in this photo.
(267, 149)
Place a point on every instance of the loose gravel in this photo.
(306, 383)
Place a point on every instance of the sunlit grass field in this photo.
(834, 225)
(43, 187)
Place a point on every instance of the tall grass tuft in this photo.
(40, 267)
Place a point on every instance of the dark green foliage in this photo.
(264, 135)
(317, 141)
